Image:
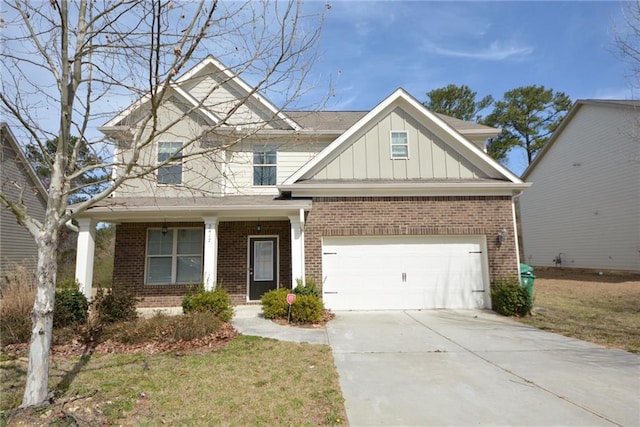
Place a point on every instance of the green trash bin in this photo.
(527, 278)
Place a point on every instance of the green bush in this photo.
(309, 288)
(216, 302)
(70, 308)
(305, 309)
(510, 299)
(115, 306)
(274, 303)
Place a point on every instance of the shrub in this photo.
(70, 308)
(163, 328)
(305, 309)
(115, 306)
(274, 304)
(216, 302)
(510, 299)
(17, 294)
(309, 288)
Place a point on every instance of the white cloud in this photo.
(496, 51)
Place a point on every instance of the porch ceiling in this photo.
(229, 208)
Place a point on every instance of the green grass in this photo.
(251, 381)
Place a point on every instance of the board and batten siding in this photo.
(369, 157)
(17, 245)
(584, 204)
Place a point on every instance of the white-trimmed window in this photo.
(171, 172)
(174, 255)
(399, 145)
(265, 159)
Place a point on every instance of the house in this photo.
(20, 184)
(583, 209)
(391, 208)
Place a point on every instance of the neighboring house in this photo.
(20, 184)
(583, 209)
(395, 208)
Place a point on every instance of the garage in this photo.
(404, 272)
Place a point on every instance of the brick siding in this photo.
(329, 216)
(422, 216)
(129, 260)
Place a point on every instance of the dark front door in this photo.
(263, 266)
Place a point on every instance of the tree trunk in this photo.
(37, 386)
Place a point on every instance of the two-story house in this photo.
(393, 208)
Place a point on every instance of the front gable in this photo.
(436, 153)
(370, 156)
(217, 94)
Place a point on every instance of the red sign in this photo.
(291, 298)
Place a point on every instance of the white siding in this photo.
(370, 155)
(585, 198)
(221, 98)
(290, 158)
(201, 176)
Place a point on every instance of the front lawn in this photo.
(603, 309)
(251, 381)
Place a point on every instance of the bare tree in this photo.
(628, 40)
(82, 62)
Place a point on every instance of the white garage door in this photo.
(404, 272)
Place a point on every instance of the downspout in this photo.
(515, 230)
(303, 258)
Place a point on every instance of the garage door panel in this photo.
(403, 272)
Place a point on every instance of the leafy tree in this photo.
(81, 62)
(457, 101)
(85, 185)
(528, 116)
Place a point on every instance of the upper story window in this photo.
(399, 145)
(264, 165)
(171, 172)
(174, 255)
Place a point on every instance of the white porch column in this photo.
(297, 248)
(210, 267)
(85, 249)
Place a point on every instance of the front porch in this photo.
(246, 248)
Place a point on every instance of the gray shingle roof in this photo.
(343, 120)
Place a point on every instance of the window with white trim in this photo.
(174, 255)
(399, 145)
(171, 172)
(264, 165)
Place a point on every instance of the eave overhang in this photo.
(355, 189)
(259, 208)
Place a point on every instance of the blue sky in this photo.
(372, 48)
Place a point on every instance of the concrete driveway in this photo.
(463, 368)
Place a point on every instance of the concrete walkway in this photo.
(462, 368)
(249, 320)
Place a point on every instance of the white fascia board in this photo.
(395, 98)
(194, 213)
(404, 189)
(483, 157)
(112, 125)
(481, 132)
(210, 60)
